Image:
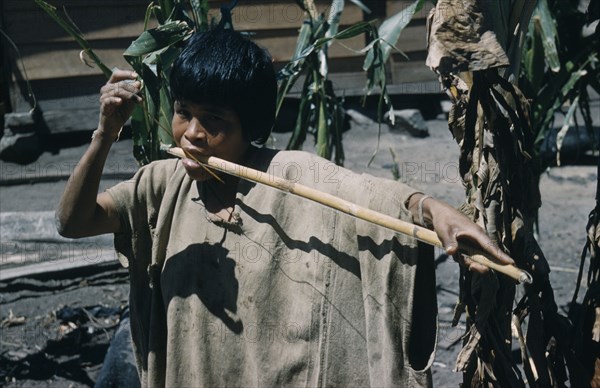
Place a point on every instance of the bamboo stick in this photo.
(406, 228)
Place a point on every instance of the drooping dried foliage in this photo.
(475, 48)
(560, 67)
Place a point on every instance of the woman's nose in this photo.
(195, 131)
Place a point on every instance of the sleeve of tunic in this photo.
(137, 201)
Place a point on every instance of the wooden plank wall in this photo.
(51, 58)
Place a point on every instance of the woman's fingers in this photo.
(120, 75)
(117, 100)
(469, 244)
(474, 266)
(122, 84)
(123, 89)
(109, 103)
(470, 240)
(479, 242)
(458, 253)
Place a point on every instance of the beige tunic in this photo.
(293, 294)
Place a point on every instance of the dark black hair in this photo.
(221, 67)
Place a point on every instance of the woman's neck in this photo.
(219, 197)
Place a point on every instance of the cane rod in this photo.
(363, 213)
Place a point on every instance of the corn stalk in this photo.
(321, 112)
(560, 63)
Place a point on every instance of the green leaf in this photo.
(165, 133)
(361, 5)
(391, 29)
(549, 35)
(560, 136)
(158, 38)
(337, 7)
(200, 11)
(350, 32)
(302, 121)
(289, 74)
(303, 39)
(148, 15)
(322, 147)
(557, 101)
(140, 136)
(534, 58)
(166, 7)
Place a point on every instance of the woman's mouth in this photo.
(195, 170)
(191, 164)
(198, 172)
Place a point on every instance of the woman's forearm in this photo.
(75, 215)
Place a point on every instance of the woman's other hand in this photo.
(457, 233)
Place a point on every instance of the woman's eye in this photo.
(183, 114)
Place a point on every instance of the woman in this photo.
(234, 283)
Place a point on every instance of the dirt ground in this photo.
(39, 348)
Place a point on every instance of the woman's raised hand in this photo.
(117, 101)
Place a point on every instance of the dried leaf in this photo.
(12, 320)
(596, 328)
(459, 39)
(464, 356)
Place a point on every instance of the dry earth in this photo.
(429, 164)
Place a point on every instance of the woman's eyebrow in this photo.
(213, 109)
(216, 109)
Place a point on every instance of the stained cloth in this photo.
(290, 293)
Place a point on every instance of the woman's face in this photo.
(207, 130)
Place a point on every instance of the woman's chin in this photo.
(195, 171)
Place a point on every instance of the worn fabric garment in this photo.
(291, 293)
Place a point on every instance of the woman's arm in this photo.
(82, 211)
